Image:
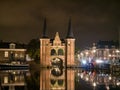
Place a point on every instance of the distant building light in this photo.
(110, 55)
(84, 61)
(110, 78)
(81, 54)
(94, 84)
(117, 51)
(94, 51)
(99, 61)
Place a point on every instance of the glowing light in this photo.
(84, 61)
(81, 75)
(87, 78)
(94, 51)
(94, 84)
(118, 83)
(99, 61)
(86, 53)
(81, 54)
(110, 77)
(107, 87)
(78, 74)
(5, 79)
(117, 51)
(13, 72)
(110, 55)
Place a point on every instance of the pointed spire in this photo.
(44, 29)
(57, 40)
(70, 32)
(57, 37)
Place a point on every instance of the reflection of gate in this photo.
(56, 72)
(57, 62)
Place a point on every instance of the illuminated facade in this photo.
(12, 54)
(100, 55)
(57, 51)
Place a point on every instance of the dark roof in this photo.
(6, 45)
(70, 32)
(109, 44)
(44, 29)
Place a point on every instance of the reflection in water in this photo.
(99, 81)
(58, 79)
(13, 80)
(76, 79)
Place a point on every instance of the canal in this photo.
(59, 79)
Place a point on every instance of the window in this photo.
(60, 82)
(5, 79)
(53, 52)
(12, 46)
(60, 52)
(21, 55)
(16, 55)
(6, 54)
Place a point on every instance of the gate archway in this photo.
(57, 62)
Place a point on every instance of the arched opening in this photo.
(56, 72)
(60, 52)
(57, 62)
(53, 81)
(53, 52)
(60, 82)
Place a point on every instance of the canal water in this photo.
(59, 79)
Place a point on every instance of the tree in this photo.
(33, 49)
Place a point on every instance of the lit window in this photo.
(16, 55)
(6, 79)
(16, 78)
(6, 54)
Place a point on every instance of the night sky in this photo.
(92, 20)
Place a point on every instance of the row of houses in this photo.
(100, 53)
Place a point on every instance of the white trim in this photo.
(12, 49)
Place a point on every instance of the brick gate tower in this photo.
(57, 51)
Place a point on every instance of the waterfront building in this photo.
(11, 52)
(100, 55)
(57, 51)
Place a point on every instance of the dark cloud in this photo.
(92, 20)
